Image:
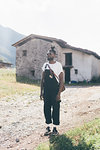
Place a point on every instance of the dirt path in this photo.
(22, 121)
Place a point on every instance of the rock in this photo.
(29, 142)
(0, 127)
(10, 146)
(17, 140)
(65, 111)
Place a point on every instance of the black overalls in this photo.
(51, 106)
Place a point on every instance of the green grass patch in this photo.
(43, 146)
(84, 84)
(10, 86)
(26, 80)
(86, 137)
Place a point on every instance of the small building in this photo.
(5, 64)
(78, 64)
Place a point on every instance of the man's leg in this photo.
(56, 116)
(47, 112)
(56, 113)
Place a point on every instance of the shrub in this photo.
(95, 80)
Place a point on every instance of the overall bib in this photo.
(51, 105)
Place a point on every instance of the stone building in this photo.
(5, 64)
(78, 64)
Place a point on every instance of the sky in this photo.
(75, 21)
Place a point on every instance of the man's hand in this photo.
(41, 97)
(58, 97)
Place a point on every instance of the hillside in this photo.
(7, 38)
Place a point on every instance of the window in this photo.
(76, 71)
(33, 72)
(24, 52)
(68, 59)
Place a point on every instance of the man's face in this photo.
(50, 56)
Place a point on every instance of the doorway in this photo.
(68, 66)
(67, 75)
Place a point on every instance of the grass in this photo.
(10, 86)
(87, 137)
(94, 81)
(84, 84)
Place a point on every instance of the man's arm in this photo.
(60, 85)
(42, 88)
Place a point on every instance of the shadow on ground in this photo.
(61, 142)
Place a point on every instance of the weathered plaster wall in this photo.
(81, 62)
(95, 67)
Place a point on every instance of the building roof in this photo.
(61, 43)
(3, 62)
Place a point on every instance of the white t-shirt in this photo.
(56, 67)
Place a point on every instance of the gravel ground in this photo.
(22, 121)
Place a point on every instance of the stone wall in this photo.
(30, 65)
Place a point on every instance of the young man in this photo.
(51, 87)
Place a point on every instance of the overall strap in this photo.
(52, 71)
